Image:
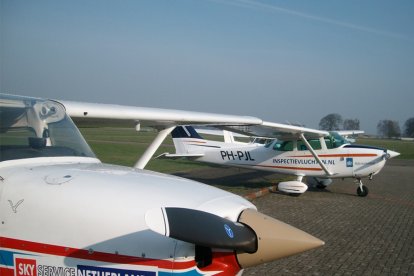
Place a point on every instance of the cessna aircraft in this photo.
(292, 150)
(64, 213)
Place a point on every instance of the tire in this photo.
(320, 186)
(363, 192)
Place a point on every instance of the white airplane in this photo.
(350, 135)
(294, 150)
(64, 213)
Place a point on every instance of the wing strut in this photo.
(149, 152)
(302, 136)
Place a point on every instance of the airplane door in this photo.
(349, 163)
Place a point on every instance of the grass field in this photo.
(123, 146)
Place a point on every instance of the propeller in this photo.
(201, 228)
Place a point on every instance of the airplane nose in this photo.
(392, 154)
(275, 239)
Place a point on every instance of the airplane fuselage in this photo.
(99, 210)
(344, 161)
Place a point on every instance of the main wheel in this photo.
(363, 192)
(320, 186)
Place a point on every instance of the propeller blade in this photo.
(201, 228)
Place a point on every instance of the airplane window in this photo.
(35, 128)
(335, 140)
(315, 144)
(269, 143)
(283, 146)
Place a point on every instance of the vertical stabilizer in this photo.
(184, 137)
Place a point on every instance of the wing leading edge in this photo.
(165, 120)
(276, 130)
(157, 117)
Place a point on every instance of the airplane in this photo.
(65, 213)
(350, 135)
(319, 155)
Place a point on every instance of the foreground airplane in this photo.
(294, 150)
(64, 213)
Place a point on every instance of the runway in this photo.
(363, 236)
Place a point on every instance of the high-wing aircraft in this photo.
(350, 135)
(64, 213)
(294, 150)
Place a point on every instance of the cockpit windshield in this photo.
(32, 128)
(336, 140)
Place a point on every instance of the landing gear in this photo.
(320, 186)
(362, 190)
(320, 183)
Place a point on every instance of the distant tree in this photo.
(331, 122)
(351, 124)
(409, 128)
(388, 128)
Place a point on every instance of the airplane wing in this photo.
(216, 132)
(165, 120)
(156, 117)
(278, 131)
(349, 132)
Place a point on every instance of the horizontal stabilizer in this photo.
(167, 155)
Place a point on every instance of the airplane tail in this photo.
(185, 138)
(188, 143)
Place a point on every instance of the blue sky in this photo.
(282, 61)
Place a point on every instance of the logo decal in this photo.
(229, 231)
(14, 207)
(25, 267)
(109, 271)
(349, 162)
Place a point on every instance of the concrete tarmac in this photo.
(363, 236)
(371, 235)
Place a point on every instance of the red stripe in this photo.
(197, 142)
(6, 271)
(291, 168)
(86, 255)
(339, 155)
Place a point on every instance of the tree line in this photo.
(385, 128)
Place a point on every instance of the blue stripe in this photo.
(7, 257)
(193, 272)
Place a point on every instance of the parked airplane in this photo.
(294, 150)
(64, 213)
(350, 135)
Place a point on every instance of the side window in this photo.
(329, 143)
(283, 146)
(315, 144)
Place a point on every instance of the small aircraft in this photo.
(293, 150)
(350, 135)
(64, 213)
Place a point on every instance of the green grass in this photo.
(124, 147)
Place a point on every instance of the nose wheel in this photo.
(362, 190)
